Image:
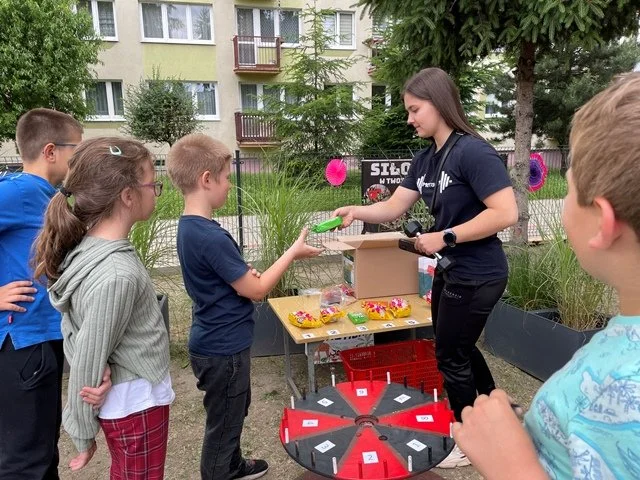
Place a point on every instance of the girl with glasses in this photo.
(109, 306)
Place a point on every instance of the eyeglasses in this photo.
(65, 144)
(157, 187)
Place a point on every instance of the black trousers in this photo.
(459, 313)
(30, 410)
(226, 383)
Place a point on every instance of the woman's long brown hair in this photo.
(434, 85)
(99, 170)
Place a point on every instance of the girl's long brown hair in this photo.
(99, 170)
(434, 85)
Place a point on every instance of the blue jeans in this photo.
(226, 381)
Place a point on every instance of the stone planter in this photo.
(268, 333)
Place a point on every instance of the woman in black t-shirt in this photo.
(474, 201)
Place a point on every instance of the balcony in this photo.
(253, 130)
(257, 54)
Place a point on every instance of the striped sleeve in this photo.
(105, 312)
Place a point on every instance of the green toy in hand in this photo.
(327, 225)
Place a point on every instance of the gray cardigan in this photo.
(110, 315)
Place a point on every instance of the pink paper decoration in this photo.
(336, 172)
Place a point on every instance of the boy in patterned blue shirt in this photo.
(584, 422)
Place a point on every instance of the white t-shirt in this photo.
(136, 396)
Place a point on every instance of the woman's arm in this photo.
(501, 212)
(401, 201)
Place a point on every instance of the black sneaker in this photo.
(251, 469)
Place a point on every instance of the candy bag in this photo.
(399, 307)
(304, 319)
(377, 310)
(330, 314)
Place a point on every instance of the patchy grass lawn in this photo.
(270, 395)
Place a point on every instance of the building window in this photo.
(104, 18)
(379, 26)
(492, 106)
(175, 22)
(340, 27)
(205, 97)
(263, 97)
(269, 23)
(379, 97)
(104, 99)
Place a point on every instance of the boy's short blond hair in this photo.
(193, 155)
(40, 126)
(605, 149)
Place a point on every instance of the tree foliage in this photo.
(317, 114)
(566, 78)
(46, 56)
(450, 34)
(386, 129)
(160, 110)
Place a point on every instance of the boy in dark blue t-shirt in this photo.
(222, 287)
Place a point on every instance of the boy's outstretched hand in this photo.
(495, 441)
(301, 249)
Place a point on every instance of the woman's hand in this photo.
(80, 461)
(347, 213)
(14, 292)
(430, 243)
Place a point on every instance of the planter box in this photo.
(268, 333)
(532, 341)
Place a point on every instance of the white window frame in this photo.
(191, 86)
(492, 100)
(335, 45)
(387, 95)
(112, 117)
(259, 94)
(165, 25)
(96, 19)
(276, 28)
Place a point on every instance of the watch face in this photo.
(450, 239)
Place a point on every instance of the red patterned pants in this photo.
(138, 444)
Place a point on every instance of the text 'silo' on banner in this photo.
(380, 178)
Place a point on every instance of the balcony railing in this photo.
(252, 128)
(257, 54)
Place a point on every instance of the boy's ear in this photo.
(206, 178)
(609, 227)
(48, 151)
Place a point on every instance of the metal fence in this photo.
(252, 171)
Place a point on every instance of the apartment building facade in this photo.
(229, 53)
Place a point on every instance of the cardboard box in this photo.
(374, 266)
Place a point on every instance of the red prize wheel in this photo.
(367, 429)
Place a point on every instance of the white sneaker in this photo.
(455, 459)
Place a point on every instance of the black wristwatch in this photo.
(449, 237)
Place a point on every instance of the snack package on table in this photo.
(357, 317)
(377, 310)
(400, 307)
(304, 319)
(330, 314)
